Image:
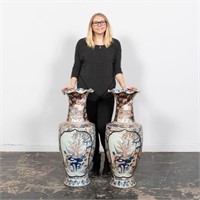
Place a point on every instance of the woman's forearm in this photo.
(73, 81)
(120, 79)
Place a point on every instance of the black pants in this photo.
(100, 113)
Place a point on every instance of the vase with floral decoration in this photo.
(124, 138)
(77, 139)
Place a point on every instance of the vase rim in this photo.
(78, 90)
(125, 90)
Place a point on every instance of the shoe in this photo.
(94, 173)
(106, 172)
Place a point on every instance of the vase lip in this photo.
(123, 90)
(77, 90)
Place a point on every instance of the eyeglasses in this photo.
(100, 23)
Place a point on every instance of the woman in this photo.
(97, 65)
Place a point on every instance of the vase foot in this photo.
(76, 181)
(123, 182)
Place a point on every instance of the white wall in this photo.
(159, 56)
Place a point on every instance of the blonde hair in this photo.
(90, 34)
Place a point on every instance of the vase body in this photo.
(124, 139)
(77, 139)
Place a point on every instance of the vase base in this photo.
(76, 182)
(123, 183)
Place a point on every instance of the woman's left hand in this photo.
(131, 87)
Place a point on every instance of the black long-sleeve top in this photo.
(96, 68)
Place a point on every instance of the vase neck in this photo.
(77, 107)
(124, 108)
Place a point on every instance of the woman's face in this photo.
(99, 25)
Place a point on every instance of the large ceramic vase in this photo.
(77, 139)
(123, 140)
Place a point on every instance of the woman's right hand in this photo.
(68, 87)
(72, 84)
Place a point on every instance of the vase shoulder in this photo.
(67, 126)
(116, 124)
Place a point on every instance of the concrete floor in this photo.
(41, 175)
